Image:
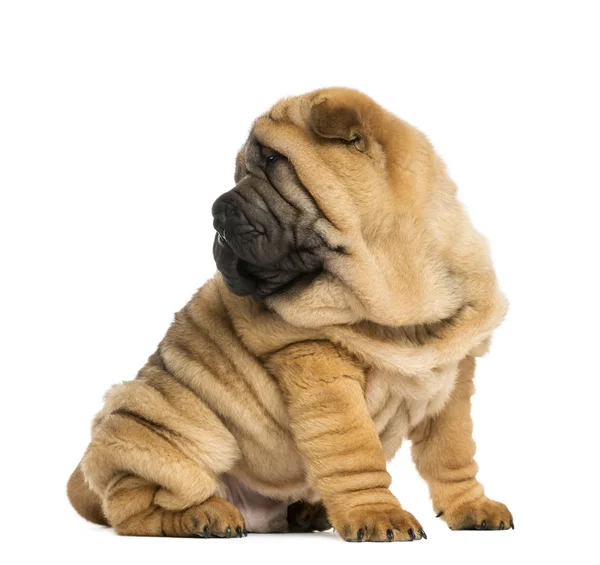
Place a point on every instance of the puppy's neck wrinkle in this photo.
(413, 335)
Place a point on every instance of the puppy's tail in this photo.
(84, 499)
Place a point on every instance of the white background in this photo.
(119, 124)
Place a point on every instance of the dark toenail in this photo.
(501, 526)
(238, 531)
(439, 514)
(245, 532)
(206, 531)
(360, 535)
(512, 524)
(483, 525)
(390, 534)
(412, 534)
(228, 532)
(423, 534)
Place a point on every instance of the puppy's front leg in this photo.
(324, 392)
(443, 450)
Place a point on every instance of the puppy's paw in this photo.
(379, 523)
(481, 514)
(215, 517)
(303, 516)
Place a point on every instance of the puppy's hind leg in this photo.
(130, 506)
(156, 468)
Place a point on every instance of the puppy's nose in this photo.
(219, 212)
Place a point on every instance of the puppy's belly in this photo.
(398, 402)
(261, 513)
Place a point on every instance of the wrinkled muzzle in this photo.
(262, 246)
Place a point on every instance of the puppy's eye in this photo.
(269, 156)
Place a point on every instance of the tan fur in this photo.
(307, 397)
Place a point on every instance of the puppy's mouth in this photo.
(234, 270)
(243, 278)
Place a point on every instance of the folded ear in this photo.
(336, 121)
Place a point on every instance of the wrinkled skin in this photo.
(265, 241)
(377, 294)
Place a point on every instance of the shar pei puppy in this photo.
(352, 298)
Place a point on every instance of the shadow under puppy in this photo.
(352, 299)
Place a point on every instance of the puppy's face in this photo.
(339, 214)
(267, 240)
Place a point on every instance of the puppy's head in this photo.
(342, 212)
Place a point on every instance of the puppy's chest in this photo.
(398, 402)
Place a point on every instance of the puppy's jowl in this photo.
(352, 298)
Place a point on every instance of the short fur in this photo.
(353, 297)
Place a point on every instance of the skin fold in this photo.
(352, 298)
